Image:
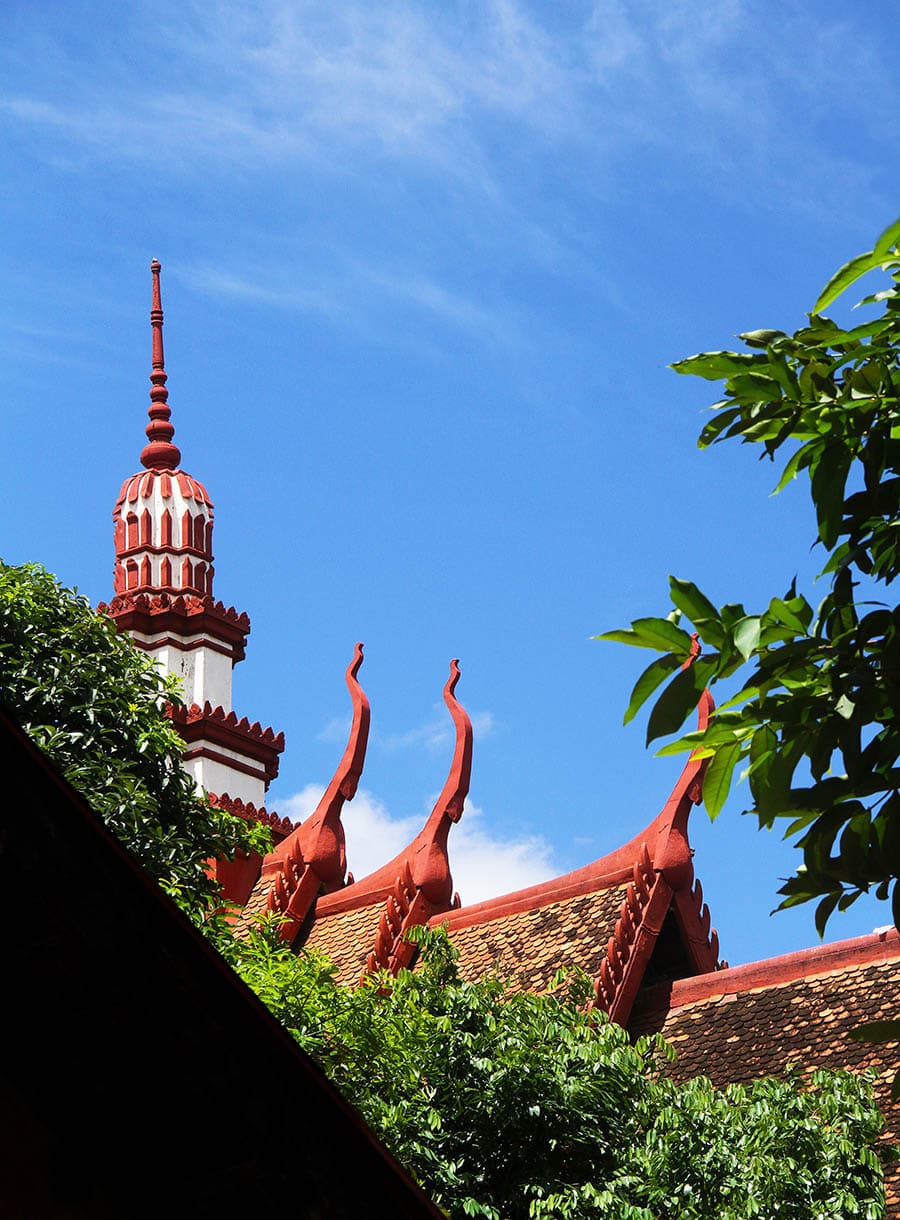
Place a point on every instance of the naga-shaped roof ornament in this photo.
(656, 874)
(159, 453)
(425, 859)
(312, 860)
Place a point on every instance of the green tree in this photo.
(96, 705)
(512, 1106)
(812, 708)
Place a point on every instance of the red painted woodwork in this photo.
(183, 619)
(426, 855)
(878, 946)
(312, 860)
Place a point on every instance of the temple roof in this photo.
(759, 1019)
(606, 918)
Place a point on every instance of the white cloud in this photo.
(483, 864)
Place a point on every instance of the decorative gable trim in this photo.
(646, 903)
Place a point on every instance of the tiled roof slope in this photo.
(346, 938)
(528, 947)
(755, 1020)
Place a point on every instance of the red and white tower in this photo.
(163, 582)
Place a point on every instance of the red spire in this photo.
(160, 453)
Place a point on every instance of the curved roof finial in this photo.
(424, 860)
(160, 453)
(453, 795)
(318, 843)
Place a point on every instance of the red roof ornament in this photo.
(425, 858)
(160, 453)
(312, 859)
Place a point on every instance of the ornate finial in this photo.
(315, 849)
(160, 453)
(453, 796)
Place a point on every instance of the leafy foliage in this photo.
(96, 706)
(814, 714)
(508, 1105)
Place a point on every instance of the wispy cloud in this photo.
(214, 282)
(483, 864)
(424, 131)
(283, 83)
(336, 731)
(436, 734)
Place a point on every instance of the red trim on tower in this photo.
(216, 727)
(233, 764)
(280, 826)
(170, 641)
(149, 548)
(183, 614)
(191, 488)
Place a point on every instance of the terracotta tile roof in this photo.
(255, 906)
(528, 947)
(756, 1020)
(347, 939)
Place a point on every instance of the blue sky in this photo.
(424, 268)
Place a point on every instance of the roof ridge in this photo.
(872, 947)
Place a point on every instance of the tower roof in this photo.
(159, 453)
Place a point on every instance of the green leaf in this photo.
(688, 598)
(715, 365)
(622, 636)
(828, 479)
(797, 463)
(824, 909)
(851, 272)
(795, 613)
(761, 338)
(889, 240)
(746, 635)
(678, 699)
(652, 677)
(659, 633)
(717, 778)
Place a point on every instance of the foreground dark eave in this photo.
(146, 1079)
